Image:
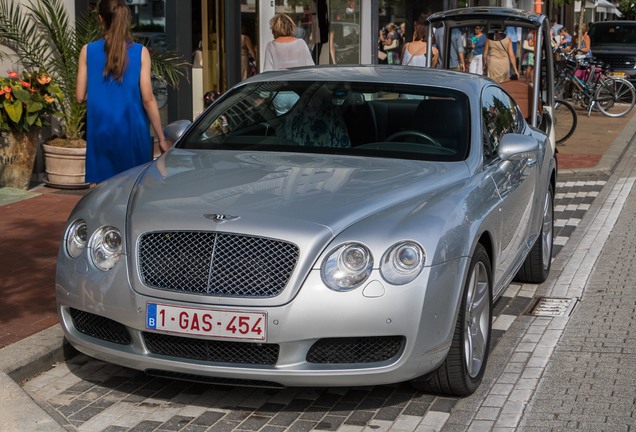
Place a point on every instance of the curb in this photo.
(22, 360)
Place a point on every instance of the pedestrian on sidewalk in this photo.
(113, 79)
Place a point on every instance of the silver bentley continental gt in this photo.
(322, 226)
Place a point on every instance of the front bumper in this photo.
(420, 315)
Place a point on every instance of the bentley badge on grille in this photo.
(220, 218)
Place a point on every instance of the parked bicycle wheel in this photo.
(615, 97)
(565, 120)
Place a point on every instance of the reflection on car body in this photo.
(358, 238)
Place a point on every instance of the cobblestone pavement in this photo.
(89, 395)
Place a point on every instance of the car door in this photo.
(515, 180)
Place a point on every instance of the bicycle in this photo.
(565, 120)
(589, 84)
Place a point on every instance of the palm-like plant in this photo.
(43, 38)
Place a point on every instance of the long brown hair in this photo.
(115, 15)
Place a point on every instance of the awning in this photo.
(599, 5)
(588, 5)
(608, 7)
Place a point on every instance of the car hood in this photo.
(276, 194)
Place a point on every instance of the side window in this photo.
(500, 116)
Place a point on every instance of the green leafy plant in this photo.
(28, 101)
(43, 37)
(627, 9)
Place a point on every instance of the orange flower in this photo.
(49, 99)
(25, 84)
(13, 75)
(7, 89)
(44, 79)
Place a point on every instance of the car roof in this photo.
(509, 16)
(393, 74)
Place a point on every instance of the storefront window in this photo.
(331, 28)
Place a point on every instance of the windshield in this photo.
(380, 119)
(613, 34)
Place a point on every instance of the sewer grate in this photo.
(552, 306)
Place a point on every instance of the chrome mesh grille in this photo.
(216, 263)
(100, 327)
(211, 350)
(355, 349)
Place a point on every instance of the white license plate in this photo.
(207, 322)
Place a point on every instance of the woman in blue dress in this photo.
(114, 79)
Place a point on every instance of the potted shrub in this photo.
(42, 36)
(27, 102)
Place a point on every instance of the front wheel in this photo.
(465, 364)
(615, 97)
(565, 120)
(536, 267)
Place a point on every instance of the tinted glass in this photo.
(500, 116)
(383, 120)
(604, 34)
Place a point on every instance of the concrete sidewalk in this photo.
(30, 339)
(573, 371)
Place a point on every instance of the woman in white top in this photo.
(285, 51)
(414, 53)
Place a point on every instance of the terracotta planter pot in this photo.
(17, 157)
(65, 167)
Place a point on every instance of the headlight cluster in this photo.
(349, 265)
(105, 245)
(76, 237)
(402, 262)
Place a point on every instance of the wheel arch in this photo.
(487, 242)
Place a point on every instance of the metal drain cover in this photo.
(551, 306)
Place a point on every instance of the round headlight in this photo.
(402, 263)
(347, 267)
(75, 238)
(105, 247)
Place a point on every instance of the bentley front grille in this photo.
(212, 350)
(216, 264)
(355, 349)
(99, 327)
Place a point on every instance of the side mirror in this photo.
(175, 130)
(516, 146)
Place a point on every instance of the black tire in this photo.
(615, 97)
(465, 364)
(565, 120)
(536, 267)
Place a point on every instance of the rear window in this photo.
(613, 34)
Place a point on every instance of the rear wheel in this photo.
(536, 267)
(565, 120)
(464, 366)
(615, 97)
